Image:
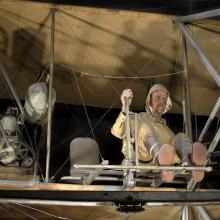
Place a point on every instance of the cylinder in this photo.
(36, 103)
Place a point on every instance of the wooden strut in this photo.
(135, 168)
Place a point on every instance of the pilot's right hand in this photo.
(126, 93)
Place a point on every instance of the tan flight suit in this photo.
(159, 129)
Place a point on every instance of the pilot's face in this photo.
(158, 101)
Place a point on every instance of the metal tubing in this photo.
(198, 16)
(53, 202)
(122, 167)
(211, 117)
(203, 213)
(185, 213)
(128, 132)
(187, 110)
(50, 94)
(4, 73)
(191, 185)
(136, 139)
(200, 53)
(85, 203)
(94, 173)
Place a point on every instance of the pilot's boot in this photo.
(198, 152)
(199, 158)
(162, 154)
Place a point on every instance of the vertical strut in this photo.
(50, 94)
(187, 107)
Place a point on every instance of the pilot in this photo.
(156, 142)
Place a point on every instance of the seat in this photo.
(83, 151)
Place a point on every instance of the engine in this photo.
(12, 148)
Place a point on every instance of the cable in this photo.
(38, 210)
(87, 116)
(82, 74)
(99, 121)
(61, 167)
(21, 212)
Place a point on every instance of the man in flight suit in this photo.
(156, 142)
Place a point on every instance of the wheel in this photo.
(21, 150)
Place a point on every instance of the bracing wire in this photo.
(41, 76)
(43, 212)
(22, 136)
(61, 167)
(30, 141)
(103, 116)
(75, 72)
(87, 116)
(82, 74)
(32, 147)
(22, 212)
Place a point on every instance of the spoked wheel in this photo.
(21, 150)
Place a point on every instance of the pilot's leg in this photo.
(191, 154)
(162, 154)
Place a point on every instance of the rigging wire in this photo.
(97, 123)
(103, 116)
(114, 34)
(26, 130)
(87, 116)
(41, 76)
(61, 167)
(109, 77)
(113, 85)
(43, 212)
(78, 84)
(82, 74)
(81, 96)
(21, 135)
(32, 148)
(18, 210)
(84, 103)
(15, 75)
(28, 49)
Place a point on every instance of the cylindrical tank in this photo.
(36, 103)
(9, 123)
